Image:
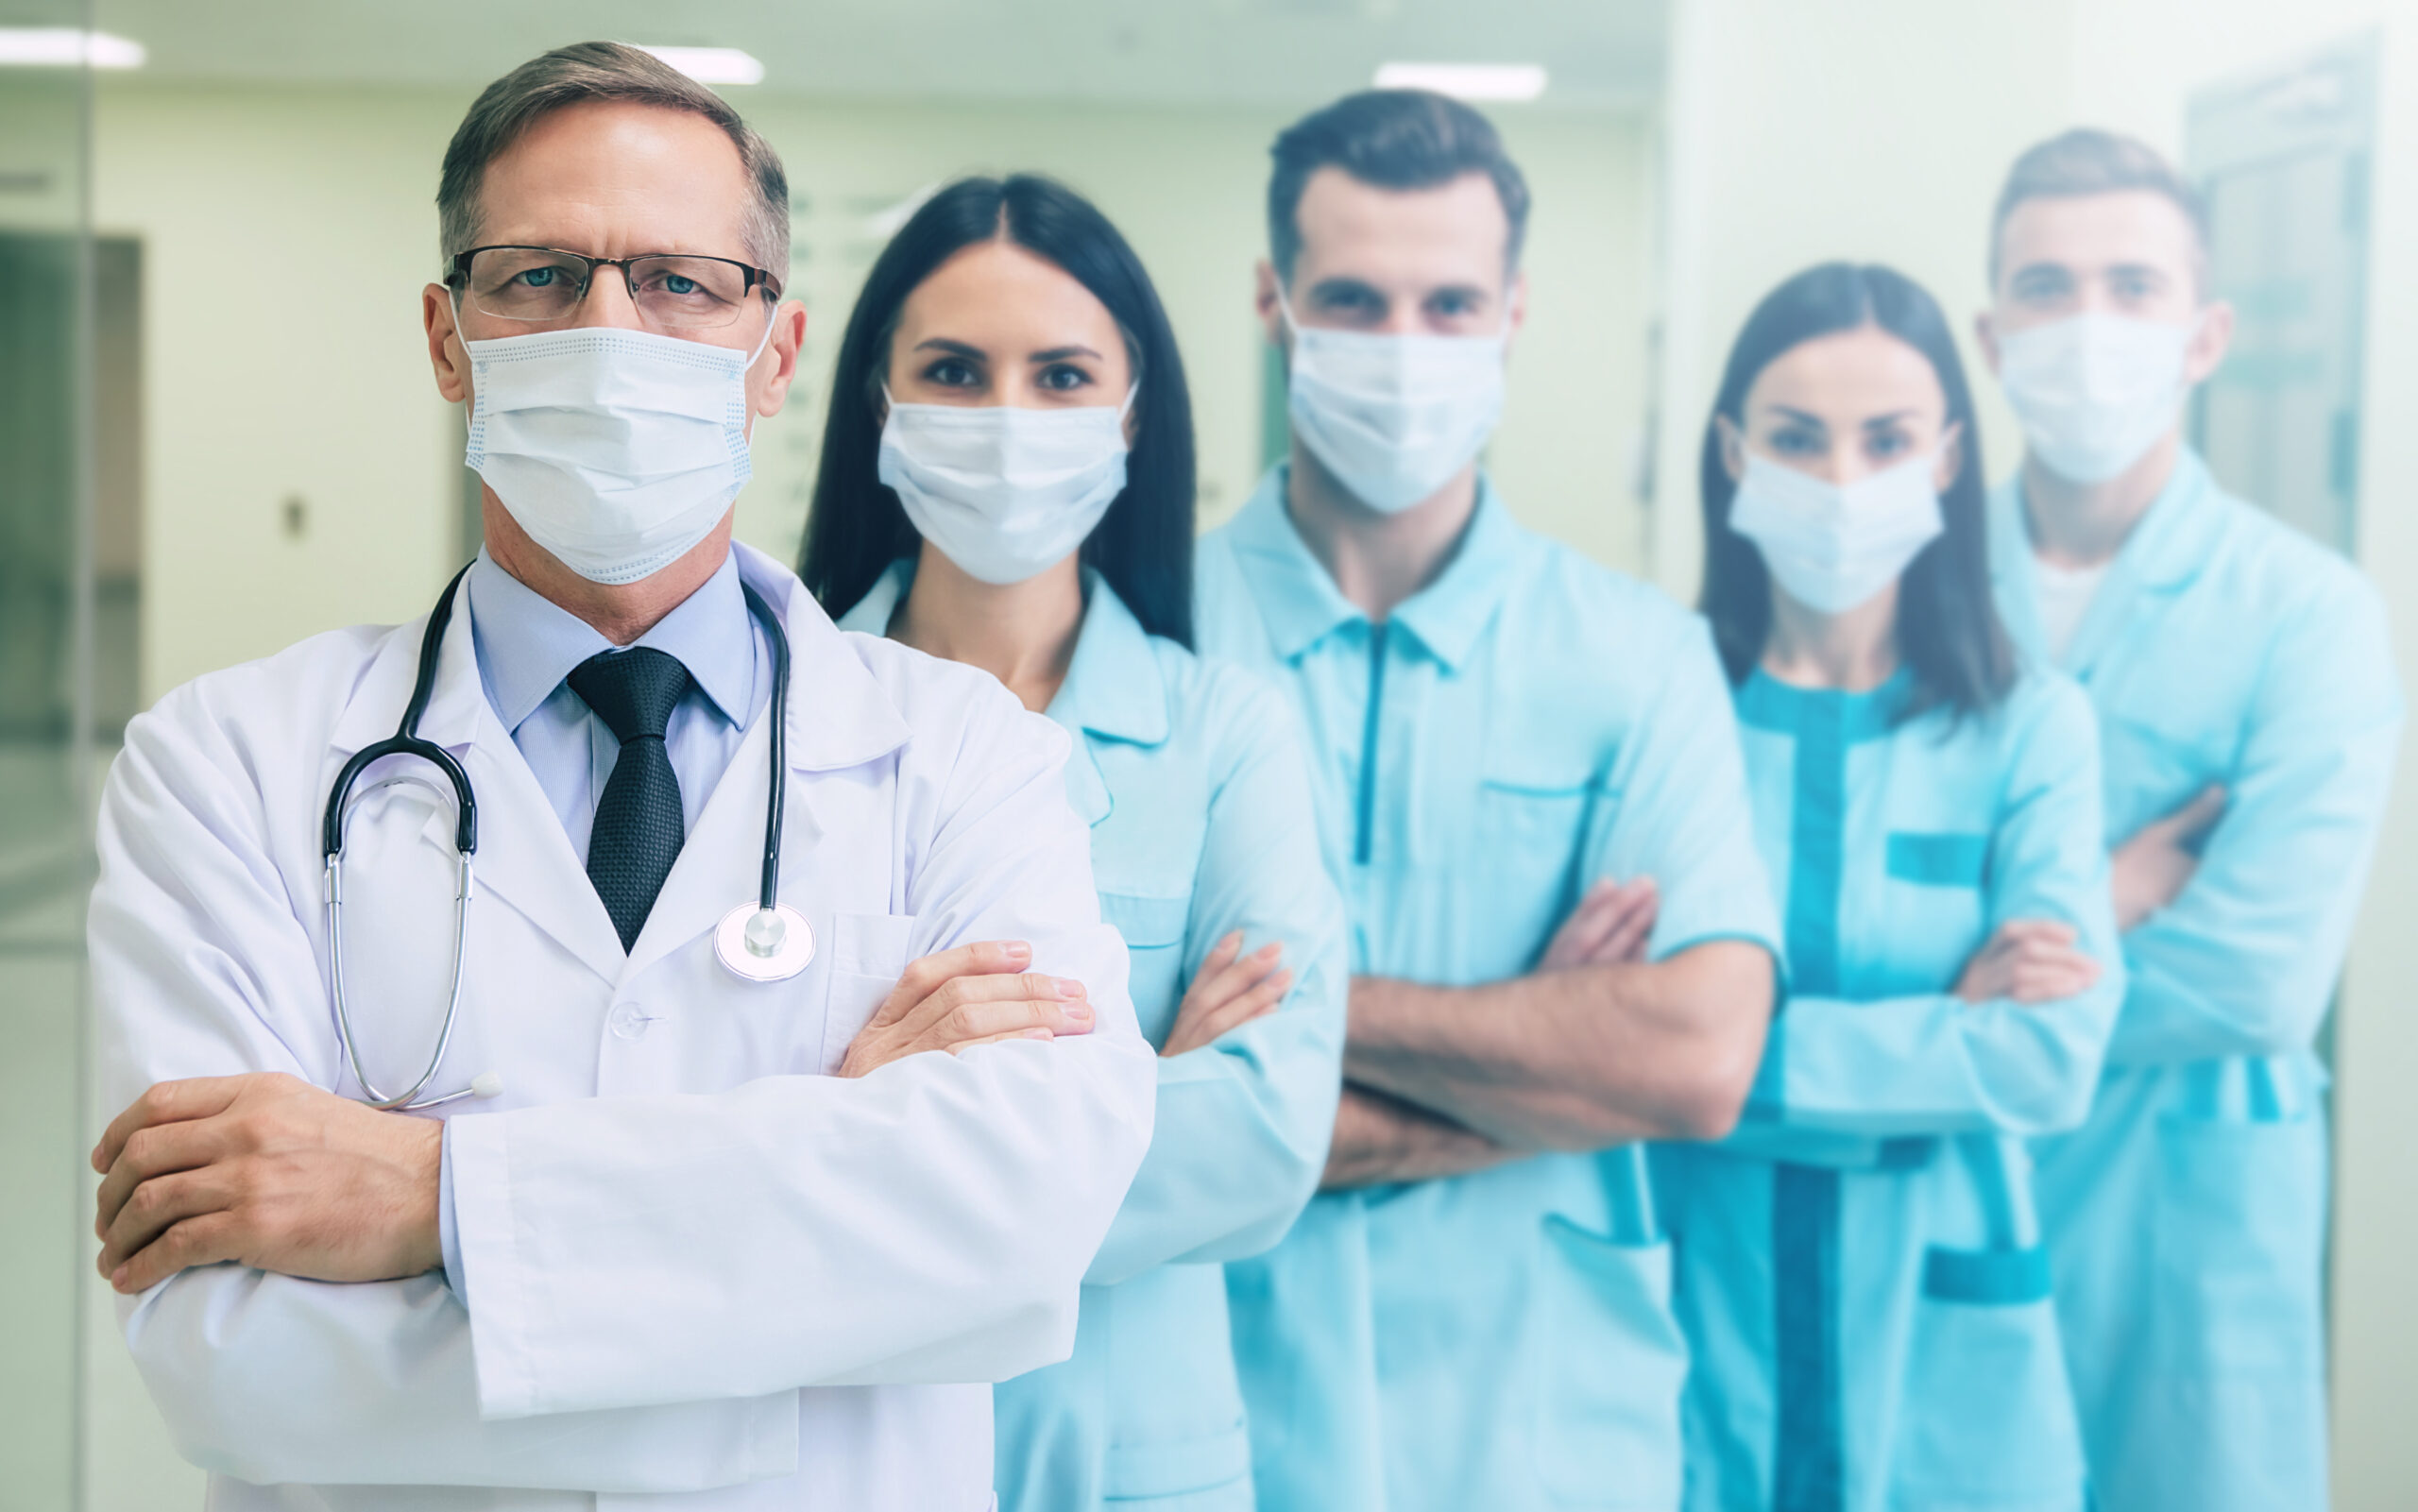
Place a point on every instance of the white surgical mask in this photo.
(617, 450)
(1393, 417)
(1834, 546)
(1005, 492)
(2095, 392)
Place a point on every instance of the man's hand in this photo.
(2152, 869)
(2030, 960)
(974, 995)
(268, 1171)
(1610, 927)
(1226, 991)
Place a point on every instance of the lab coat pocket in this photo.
(1154, 927)
(1608, 1433)
(868, 952)
(1987, 1419)
(2241, 1247)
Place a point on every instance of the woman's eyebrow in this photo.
(1798, 417)
(1875, 422)
(956, 348)
(1058, 354)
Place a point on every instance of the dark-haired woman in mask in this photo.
(1007, 481)
(1860, 1267)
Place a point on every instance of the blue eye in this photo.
(674, 283)
(540, 278)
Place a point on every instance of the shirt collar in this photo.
(2167, 546)
(1301, 604)
(527, 644)
(1113, 687)
(1765, 702)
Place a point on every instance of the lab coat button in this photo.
(628, 1021)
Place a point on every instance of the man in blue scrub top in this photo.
(2249, 714)
(1474, 1312)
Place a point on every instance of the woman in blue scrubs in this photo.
(1007, 481)
(1860, 1269)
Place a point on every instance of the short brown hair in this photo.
(2087, 161)
(1392, 139)
(602, 71)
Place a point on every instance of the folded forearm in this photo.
(1378, 1139)
(1572, 1060)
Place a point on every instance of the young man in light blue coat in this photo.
(1505, 740)
(2249, 714)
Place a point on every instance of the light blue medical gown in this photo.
(1191, 776)
(2187, 1217)
(1525, 724)
(1862, 1276)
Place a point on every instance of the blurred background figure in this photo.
(210, 444)
(2249, 707)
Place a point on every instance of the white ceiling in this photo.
(1602, 54)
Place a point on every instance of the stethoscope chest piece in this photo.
(761, 944)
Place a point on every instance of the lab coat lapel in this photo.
(523, 856)
(853, 722)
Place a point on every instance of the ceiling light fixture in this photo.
(67, 47)
(1467, 81)
(711, 66)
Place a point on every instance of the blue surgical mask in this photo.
(1005, 492)
(1393, 417)
(616, 450)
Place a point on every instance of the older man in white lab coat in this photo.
(742, 1242)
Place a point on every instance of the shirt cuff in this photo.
(448, 1238)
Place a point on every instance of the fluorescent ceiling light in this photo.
(65, 47)
(711, 66)
(1467, 81)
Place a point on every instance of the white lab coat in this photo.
(695, 1262)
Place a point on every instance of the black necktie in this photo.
(639, 824)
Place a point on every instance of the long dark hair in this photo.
(1143, 546)
(1948, 634)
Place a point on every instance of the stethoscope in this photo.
(763, 941)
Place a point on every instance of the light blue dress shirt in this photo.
(1525, 724)
(1191, 776)
(1861, 1273)
(527, 645)
(2187, 1217)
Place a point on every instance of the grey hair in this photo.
(603, 70)
(2087, 161)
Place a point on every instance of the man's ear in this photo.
(445, 353)
(769, 382)
(2209, 341)
(1267, 297)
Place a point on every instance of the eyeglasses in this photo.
(672, 292)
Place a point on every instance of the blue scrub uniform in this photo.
(2187, 1216)
(1192, 778)
(1525, 724)
(1861, 1274)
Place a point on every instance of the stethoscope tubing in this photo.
(406, 741)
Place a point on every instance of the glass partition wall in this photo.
(48, 761)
